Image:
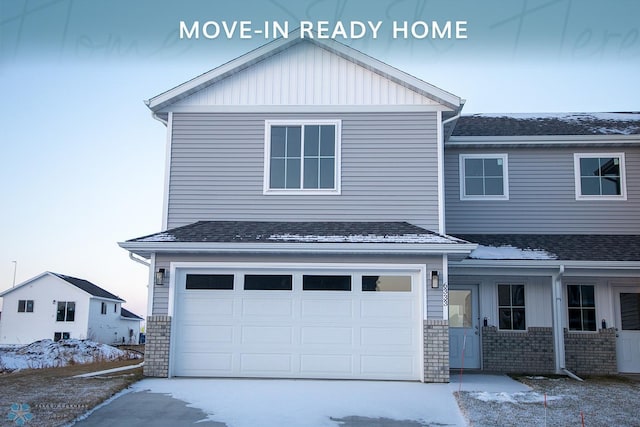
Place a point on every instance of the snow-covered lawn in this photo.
(50, 354)
(607, 401)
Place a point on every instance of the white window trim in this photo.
(302, 191)
(578, 181)
(526, 307)
(566, 305)
(505, 175)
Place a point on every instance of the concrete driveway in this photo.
(266, 403)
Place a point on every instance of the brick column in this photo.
(436, 351)
(156, 351)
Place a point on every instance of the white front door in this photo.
(464, 336)
(298, 323)
(627, 302)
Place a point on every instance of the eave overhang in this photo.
(145, 249)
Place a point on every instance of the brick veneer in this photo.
(156, 352)
(436, 351)
(589, 353)
(528, 351)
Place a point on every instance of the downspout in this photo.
(558, 330)
(138, 260)
(158, 118)
(440, 154)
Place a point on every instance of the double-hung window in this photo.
(511, 308)
(484, 177)
(581, 304)
(66, 311)
(25, 306)
(302, 157)
(600, 176)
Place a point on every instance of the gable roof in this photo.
(90, 288)
(263, 236)
(84, 285)
(561, 247)
(129, 315)
(548, 124)
(165, 99)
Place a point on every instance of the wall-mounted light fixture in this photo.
(435, 280)
(159, 277)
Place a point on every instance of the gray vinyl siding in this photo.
(389, 170)
(542, 196)
(433, 298)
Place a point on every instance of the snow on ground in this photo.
(48, 354)
(311, 403)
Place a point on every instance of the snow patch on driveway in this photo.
(276, 403)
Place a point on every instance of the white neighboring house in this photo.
(56, 306)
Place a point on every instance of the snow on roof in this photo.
(509, 252)
(160, 237)
(358, 238)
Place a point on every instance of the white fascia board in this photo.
(464, 141)
(119, 300)
(432, 92)
(144, 249)
(553, 264)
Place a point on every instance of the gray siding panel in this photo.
(389, 170)
(542, 196)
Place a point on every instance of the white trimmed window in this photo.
(511, 307)
(581, 306)
(600, 176)
(302, 157)
(484, 177)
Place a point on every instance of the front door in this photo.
(627, 301)
(464, 337)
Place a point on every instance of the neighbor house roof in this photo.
(562, 247)
(88, 287)
(548, 124)
(129, 315)
(277, 236)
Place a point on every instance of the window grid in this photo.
(66, 311)
(600, 176)
(511, 307)
(484, 177)
(581, 307)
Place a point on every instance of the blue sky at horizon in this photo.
(83, 161)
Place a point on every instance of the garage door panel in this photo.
(267, 307)
(199, 335)
(327, 335)
(383, 307)
(266, 363)
(326, 308)
(387, 365)
(327, 364)
(271, 335)
(386, 336)
(203, 306)
(208, 363)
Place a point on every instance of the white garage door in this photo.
(311, 324)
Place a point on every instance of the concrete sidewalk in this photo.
(321, 403)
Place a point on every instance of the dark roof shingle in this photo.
(129, 315)
(548, 124)
(566, 247)
(89, 287)
(298, 232)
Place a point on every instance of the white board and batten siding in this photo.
(304, 74)
(542, 196)
(217, 170)
(298, 333)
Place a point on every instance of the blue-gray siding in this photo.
(542, 196)
(389, 170)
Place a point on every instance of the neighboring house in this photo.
(304, 225)
(554, 202)
(56, 306)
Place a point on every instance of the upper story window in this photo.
(103, 308)
(25, 306)
(302, 157)
(600, 176)
(484, 177)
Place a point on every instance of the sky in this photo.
(83, 160)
